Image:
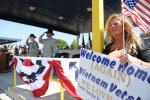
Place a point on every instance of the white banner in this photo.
(102, 77)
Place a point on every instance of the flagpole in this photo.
(123, 39)
(123, 29)
(123, 32)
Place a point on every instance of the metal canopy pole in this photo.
(98, 25)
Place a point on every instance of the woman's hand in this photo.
(117, 53)
(129, 59)
(114, 53)
(126, 58)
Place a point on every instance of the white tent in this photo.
(5, 40)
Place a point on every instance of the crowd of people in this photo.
(15, 50)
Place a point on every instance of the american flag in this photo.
(139, 11)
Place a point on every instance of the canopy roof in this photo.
(4, 40)
(69, 16)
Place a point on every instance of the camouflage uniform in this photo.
(33, 49)
(49, 47)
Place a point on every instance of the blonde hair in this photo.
(131, 38)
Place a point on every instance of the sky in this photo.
(22, 31)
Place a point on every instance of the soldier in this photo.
(33, 46)
(49, 44)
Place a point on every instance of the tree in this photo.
(61, 43)
(74, 44)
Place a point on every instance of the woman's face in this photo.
(115, 27)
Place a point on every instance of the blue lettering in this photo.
(148, 79)
(93, 78)
(98, 60)
(138, 98)
(104, 84)
(118, 92)
(91, 55)
(98, 81)
(123, 94)
(112, 64)
(130, 70)
(94, 57)
(112, 87)
(86, 74)
(105, 61)
(89, 76)
(141, 74)
(122, 68)
(81, 70)
(83, 52)
(130, 98)
(87, 55)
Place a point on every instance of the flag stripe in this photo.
(132, 13)
(139, 22)
(147, 3)
(143, 17)
(142, 27)
(142, 12)
(143, 5)
(139, 11)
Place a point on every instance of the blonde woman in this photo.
(114, 38)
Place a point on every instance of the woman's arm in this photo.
(128, 58)
(146, 64)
